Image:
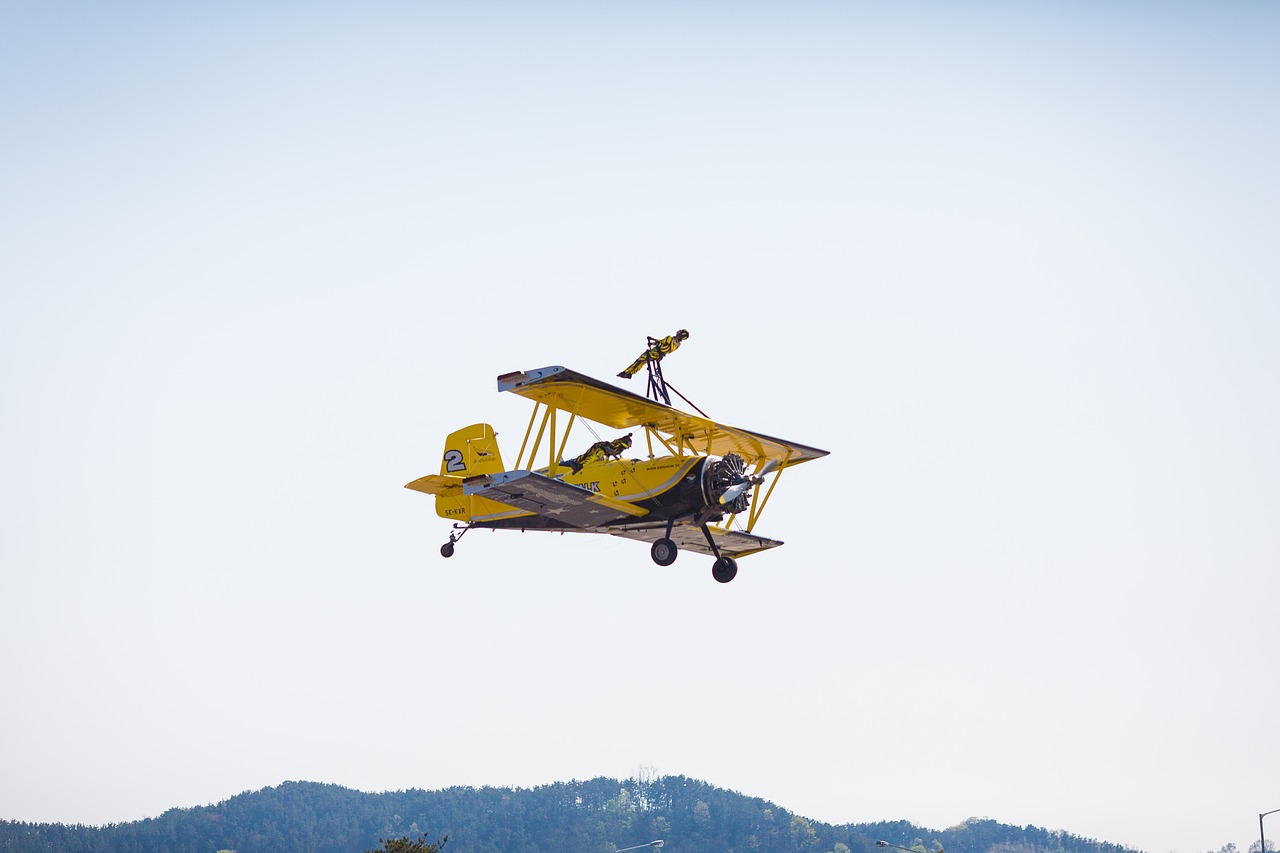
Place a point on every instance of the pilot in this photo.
(599, 451)
(666, 346)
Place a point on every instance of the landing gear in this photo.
(724, 569)
(664, 552)
(446, 550)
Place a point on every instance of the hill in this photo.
(593, 816)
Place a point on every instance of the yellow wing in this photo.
(572, 392)
(731, 543)
(555, 499)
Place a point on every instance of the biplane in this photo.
(689, 483)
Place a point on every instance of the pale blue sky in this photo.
(1015, 266)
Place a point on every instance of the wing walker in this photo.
(693, 484)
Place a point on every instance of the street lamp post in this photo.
(900, 847)
(1262, 838)
(652, 845)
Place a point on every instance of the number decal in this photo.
(453, 461)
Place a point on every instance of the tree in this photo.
(803, 835)
(404, 845)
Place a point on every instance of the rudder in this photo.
(468, 452)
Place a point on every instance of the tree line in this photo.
(592, 816)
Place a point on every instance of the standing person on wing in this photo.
(666, 346)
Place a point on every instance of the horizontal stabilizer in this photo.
(444, 485)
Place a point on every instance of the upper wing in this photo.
(569, 391)
(554, 499)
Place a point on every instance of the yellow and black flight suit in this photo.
(598, 451)
(666, 346)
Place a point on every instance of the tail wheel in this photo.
(446, 550)
(724, 569)
(664, 552)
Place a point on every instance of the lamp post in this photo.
(900, 847)
(1262, 838)
(652, 845)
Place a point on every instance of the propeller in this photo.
(735, 491)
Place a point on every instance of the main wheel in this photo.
(664, 552)
(446, 550)
(724, 569)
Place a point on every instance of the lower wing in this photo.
(550, 498)
(732, 543)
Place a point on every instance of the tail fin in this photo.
(468, 452)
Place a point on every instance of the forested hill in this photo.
(594, 816)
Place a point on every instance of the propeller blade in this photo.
(733, 492)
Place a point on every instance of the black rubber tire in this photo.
(664, 552)
(724, 569)
(446, 550)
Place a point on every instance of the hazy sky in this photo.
(1015, 265)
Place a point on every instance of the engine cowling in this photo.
(720, 475)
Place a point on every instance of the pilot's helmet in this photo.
(626, 440)
(682, 334)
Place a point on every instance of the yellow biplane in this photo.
(689, 488)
